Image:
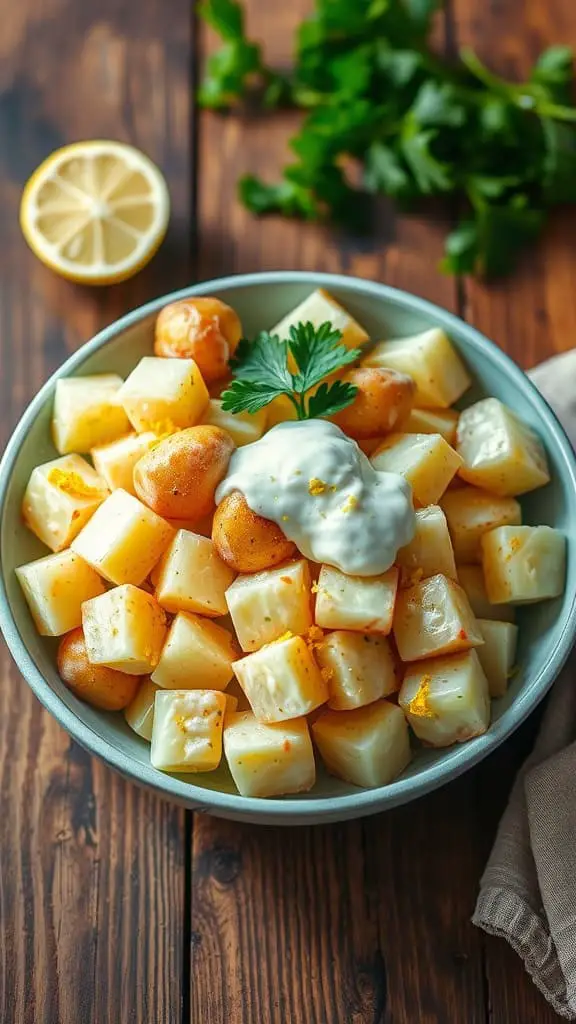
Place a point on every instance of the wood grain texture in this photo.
(92, 869)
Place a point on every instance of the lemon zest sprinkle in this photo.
(419, 705)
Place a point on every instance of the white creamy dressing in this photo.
(324, 494)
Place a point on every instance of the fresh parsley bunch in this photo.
(262, 371)
(419, 126)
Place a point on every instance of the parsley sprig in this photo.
(420, 126)
(262, 371)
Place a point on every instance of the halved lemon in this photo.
(95, 212)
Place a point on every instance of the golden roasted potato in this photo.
(203, 329)
(384, 399)
(246, 541)
(177, 478)
(102, 687)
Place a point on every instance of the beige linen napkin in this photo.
(528, 890)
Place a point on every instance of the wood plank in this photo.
(365, 921)
(93, 868)
(531, 315)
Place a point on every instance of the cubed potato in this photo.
(498, 653)
(124, 629)
(472, 512)
(368, 747)
(430, 550)
(281, 680)
(87, 412)
(434, 617)
(471, 579)
(446, 700)
(523, 564)
(140, 712)
(433, 363)
(164, 395)
(115, 461)
(60, 498)
(187, 730)
(499, 452)
(243, 427)
(265, 605)
(359, 603)
(432, 421)
(197, 655)
(192, 577)
(426, 461)
(124, 539)
(269, 760)
(55, 587)
(320, 308)
(358, 668)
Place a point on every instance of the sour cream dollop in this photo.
(324, 494)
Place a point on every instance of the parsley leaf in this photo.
(261, 370)
(379, 100)
(317, 354)
(264, 358)
(331, 398)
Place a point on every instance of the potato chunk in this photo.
(269, 760)
(319, 308)
(472, 512)
(426, 461)
(362, 603)
(432, 421)
(265, 605)
(87, 412)
(60, 498)
(432, 362)
(523, 564)
(192, 578)
(98, 685)
(384, 398)
(124, 629)
(178, 477)
(358, 668)
(164, 395)
(140, 712)
(471, 579)
(499, 452)
(204, 329)
(434, 617)
(497, 653)
(197, 655)
(367, 747)
(243, 427)
(446, 700)
(115, 461)
(281, 680)
(246, 541)
(187, 730)
(123, 540)
(430, 550)
(55, 587)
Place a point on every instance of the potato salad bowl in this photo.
(369, 684)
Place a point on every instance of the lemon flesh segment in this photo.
(95, 212)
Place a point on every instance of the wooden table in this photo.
(117, 907)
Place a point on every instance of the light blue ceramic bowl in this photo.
(546, 630)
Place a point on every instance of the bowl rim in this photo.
(288, 809)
